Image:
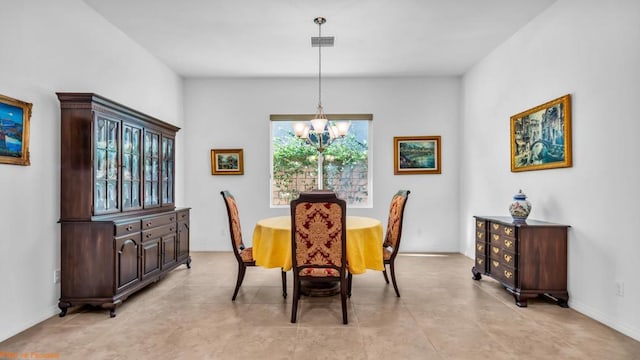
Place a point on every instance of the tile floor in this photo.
(442, 314)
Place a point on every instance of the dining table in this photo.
(272, 243)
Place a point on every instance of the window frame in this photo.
(331, 117)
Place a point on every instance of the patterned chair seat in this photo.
(324, 272)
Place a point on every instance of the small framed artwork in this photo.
(14, 131)
(541, 136)
(227, 162)
(416, 155)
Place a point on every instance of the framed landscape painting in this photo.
(14, 131)
(541, 136)
(227, 162)
(416, 155)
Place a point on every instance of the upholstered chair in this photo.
(391, 242)
(243, 254)
(318, 243)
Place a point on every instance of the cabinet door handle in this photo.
(508, 230)
(495, 264)
(496, 237)
(507, 258)
(508, 243)
(495, 249)
(508, 274)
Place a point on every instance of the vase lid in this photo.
(520, 195)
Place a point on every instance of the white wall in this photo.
(589, 49)
(50, 46)
(234, 113)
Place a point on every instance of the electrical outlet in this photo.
(56, 276)
(620, 288)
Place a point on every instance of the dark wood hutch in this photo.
(120, 229)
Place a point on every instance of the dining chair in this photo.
(318, 243)
(391, 242)
(243, 254)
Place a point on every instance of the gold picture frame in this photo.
(541, 136)
(227, 162)
(15, 116)
(416, 155)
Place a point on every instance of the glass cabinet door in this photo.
(151, 169)
(106, 171)
(168, 159)
(131, 153)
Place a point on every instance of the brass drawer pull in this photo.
(496, 237)
(495, 249)
(480, 224)
(508, 243)
(508, 230)
(495, 264)
(130, 227)
(479, 247)
(480, 235)
(495, 226)
(508, 274)
(507, 258)
(479, 261)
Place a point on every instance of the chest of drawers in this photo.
(529, 259)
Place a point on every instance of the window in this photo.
(346, 165)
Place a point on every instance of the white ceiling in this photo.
(265, 38)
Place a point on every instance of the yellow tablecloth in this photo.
(272, 243)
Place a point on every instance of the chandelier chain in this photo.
(320, 65)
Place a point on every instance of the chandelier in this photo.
(320, 132)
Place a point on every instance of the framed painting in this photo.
(14, 131)
(227, 162)
(541, 136)
(416, 155)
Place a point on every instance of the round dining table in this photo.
(272, 243)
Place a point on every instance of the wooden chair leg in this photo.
(393, 278)
(241, 271)
(296, 297)
(284, 284)
(343, 298)
(384, 272)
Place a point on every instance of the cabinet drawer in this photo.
(481, 247)
(508, 258)
(183, 215)
(127, 228)
(505, 230)
(155, 221)
(158, 231)
(504, 242)
(507, 275)
(480, 261)
(495, 252)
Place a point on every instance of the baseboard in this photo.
(622, 327)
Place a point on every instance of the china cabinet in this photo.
(528, 258)
(120, 229)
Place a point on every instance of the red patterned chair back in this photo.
(318, 234)
(394, 226)
(234, 223)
